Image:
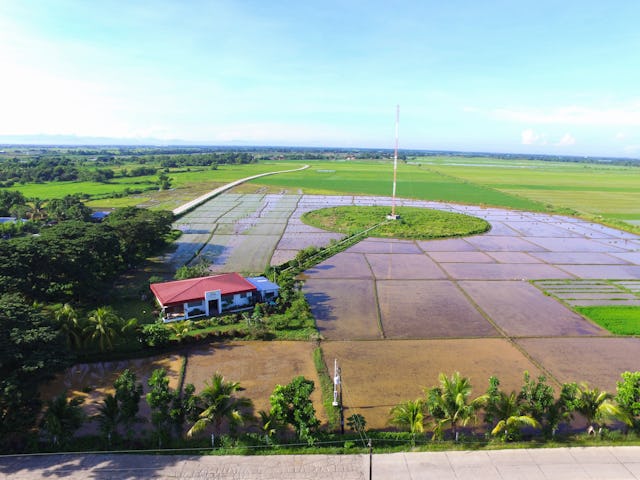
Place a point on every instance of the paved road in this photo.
(620, 463)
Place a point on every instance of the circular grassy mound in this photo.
(414, 223)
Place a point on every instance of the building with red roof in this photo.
(213, 295)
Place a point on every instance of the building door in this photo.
(213, 307)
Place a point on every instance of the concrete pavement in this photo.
(601, 463)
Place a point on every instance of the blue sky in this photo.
(542, 76)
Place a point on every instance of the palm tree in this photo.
(507, 410)
(108, 417)
(62, 418)
(268, 425)
(449, 403)
(596, 407)
(102, 326)
(180, 329)
(219, 404)
(409, 415)
(67, 319)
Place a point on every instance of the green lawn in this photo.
(618, 320)
(414, 223)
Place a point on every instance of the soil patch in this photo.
(406, 266)
(377, 375)
(342, 265)
(257, 366)
(429, 309)
(341, 316)
(598, 361)
(529, 312)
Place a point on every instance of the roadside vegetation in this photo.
(219, 419)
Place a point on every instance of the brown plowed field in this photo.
(258, 366)
(380, 374)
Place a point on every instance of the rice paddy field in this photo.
(602, 191)
(396, 313)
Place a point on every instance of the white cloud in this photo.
(566, 140)
(530, 137)
(627, 115)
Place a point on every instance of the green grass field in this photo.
(618, 320)
(414, 223)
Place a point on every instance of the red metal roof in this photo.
(192, 289)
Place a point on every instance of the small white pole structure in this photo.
(393, 215)
(336, 382)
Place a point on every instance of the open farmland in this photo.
(397, 313)
(372, 178)
(601, 190)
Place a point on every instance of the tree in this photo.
(536, 397)
(291, 404)
(268, 426)
(561, 411)
(356, 422)
(32, 350)
(70, 207)
(62, 418)
(155, 334)
(164, 182)
(596, 407)
(108, 417)
(449, 403)
(507, 409)
(161, 399)
(185, 408)
(219, 403)
(142, 232)
(128, 393)
(409, 415)
(102, 327)
(628, 394)
(67, 319)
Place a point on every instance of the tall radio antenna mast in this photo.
(393, 215)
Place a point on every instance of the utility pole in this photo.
(337, 393)
(370, 459)
(393, 215)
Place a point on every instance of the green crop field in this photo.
(414, 181)
(618, 320)
(610, 191)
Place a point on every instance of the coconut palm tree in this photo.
(62, 417)
(596, 407)
(108, 417)
(103, 326)
(269, 425)
(506, 408)
(449, 403)
(67, 319)
(409, 415)
(219, 404)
